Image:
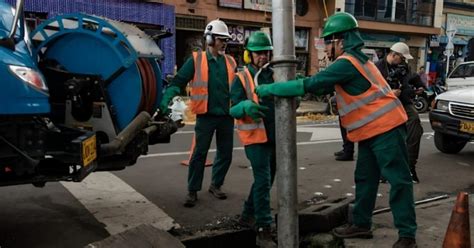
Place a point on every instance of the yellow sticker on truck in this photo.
(89, 150)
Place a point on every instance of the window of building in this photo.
(301, 50)
(417, 12)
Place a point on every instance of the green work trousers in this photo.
(414, 133)
(205, 127)
(263, 162)
(386, 155)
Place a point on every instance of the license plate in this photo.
(89, 152)
(467, 127)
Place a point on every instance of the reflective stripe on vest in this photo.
(199, 85)
(373, 112)
(250, 132)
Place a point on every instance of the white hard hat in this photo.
(217, 27)
(402, 49)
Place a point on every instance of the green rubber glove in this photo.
(290, 88)
(167, 97)
(237, 111)
(249, 108)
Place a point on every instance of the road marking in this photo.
(165, 154)
(305, 143)
(117, 205)
(318, 133)
(184, 132)
(424, 120)
(302, 127)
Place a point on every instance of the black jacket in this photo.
(399, 77)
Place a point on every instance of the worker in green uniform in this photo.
(210, 74)
(373, 117)
(256, 129)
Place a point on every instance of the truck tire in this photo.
(448, 144)
(421, 105)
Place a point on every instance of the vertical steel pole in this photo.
(285, 118)
(394, 7)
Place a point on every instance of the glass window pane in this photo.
(459, 72)
(470, 70)
(400, 10)
(362, 8)
(420, 12)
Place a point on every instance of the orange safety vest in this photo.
(250, 132)
(373, 112)
(199, 84)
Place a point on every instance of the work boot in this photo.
(345, 157)
(191, 199)
(339, 153)
(246, 222)
(264, 238)
(405, 243)
(348, 231)
(216, 192)
(414, 176)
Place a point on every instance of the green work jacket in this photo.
(341, 72)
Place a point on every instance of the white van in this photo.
(371, 53)
(462, 76)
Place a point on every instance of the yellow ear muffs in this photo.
(247, 59)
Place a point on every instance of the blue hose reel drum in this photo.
(121, 54)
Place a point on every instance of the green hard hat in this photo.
(259, 41)
(339, 22)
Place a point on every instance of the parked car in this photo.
(452, 119)
(462, 76)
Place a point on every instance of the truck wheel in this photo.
(448, 144)
(421, 105)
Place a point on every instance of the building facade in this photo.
(384, 22)
(244, 17)
(150, 16)
(458, 26)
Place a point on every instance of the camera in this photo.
(396, 75)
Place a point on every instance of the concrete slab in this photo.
(432, 219)
(142, 236)
(324, 217)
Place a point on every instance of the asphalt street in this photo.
(153, 190)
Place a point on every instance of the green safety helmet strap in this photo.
(338, 23)
(259, 41)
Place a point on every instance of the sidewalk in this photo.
(311, 107)
(432, 218)
(305, 108)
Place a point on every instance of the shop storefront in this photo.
(240, 32)
(243, 17)
(462, 26)
(155, 17)
(189, 38)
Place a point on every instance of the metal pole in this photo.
(448, 54)
(285, 118)
(394, 7)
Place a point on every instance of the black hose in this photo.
(127, 135)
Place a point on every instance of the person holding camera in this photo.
(395, 70)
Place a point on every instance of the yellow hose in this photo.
(325, 8)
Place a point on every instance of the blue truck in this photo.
(78, 95)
